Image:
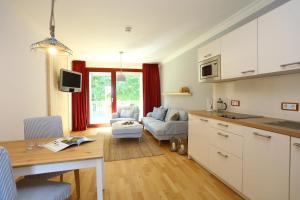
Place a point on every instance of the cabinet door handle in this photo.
(224, 135)
(248, 71)
(297, 144)
(285, 65)
(207, 55)
(261, 135)
(223, 155)
(204, 120)
(224, 125)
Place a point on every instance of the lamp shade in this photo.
(121, 77)
(51, 43)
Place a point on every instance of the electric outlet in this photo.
(290, 106)
(235, 103)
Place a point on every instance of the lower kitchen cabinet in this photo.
(266, 165)
(295, 169)
(226, 166)
(199, 131)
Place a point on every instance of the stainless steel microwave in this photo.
(210, 69)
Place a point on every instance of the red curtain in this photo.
(151, 86)
(79, 99)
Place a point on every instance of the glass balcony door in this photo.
(106, 94)
(100, 97)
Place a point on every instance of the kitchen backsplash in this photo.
(261, 96)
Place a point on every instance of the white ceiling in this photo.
(94, 29)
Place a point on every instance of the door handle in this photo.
(224, 125)
(244, 72)
(112, 99)
(285, 65)
(224, 135)
(223, 155)
(204, 120)
(261, 135)
(297, 144)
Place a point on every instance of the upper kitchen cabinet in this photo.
(279, 39)
(239, 52)
(210, 50)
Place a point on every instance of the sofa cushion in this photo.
(148, 120)
(157, 127)
(159, 113)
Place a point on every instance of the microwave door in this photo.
(206, 71)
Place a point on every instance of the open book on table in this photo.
(62, 143)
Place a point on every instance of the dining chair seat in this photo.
(42, 190)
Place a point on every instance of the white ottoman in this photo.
(127, 131)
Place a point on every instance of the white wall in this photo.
(23, 76)
(59, 102)
(182, 71)
(262, 96)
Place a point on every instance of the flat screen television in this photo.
(70, 81)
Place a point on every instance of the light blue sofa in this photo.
(166, 129)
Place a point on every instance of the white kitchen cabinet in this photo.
(239, 52)
(295, 169)
(266, 165)
(227, 166)
(198, 140)
(279, 39)
(231, 143)
(210, 50)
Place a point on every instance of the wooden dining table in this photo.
(37, 160)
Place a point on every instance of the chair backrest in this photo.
(134, 108)
(8, 190)
(43, 127)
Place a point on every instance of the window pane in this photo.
(100, 97)
(130, 91)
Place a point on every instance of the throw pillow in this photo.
(126, 113)
(159, 113)
(154, 112)
(170, 113)
(174, 117)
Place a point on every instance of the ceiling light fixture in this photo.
(51, 44)
(121, 77)
(128, 29)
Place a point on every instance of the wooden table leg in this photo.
(77, 182)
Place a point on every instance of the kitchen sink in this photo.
(285, 124)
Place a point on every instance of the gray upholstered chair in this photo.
(47, 127)
(130, 112)
(28, 189)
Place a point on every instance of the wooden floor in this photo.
(169, 176)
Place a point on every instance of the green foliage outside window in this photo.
(129, 90)
(98, 87)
